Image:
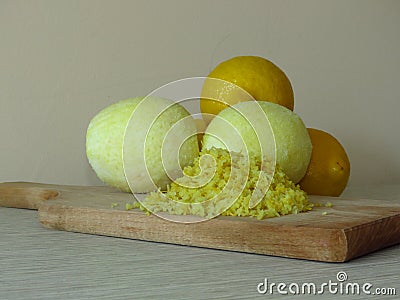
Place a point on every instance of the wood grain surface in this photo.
(351, 227)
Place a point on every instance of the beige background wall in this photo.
(63, 61)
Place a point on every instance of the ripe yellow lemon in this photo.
(329, 168)
(245, 78)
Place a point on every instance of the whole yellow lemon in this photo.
(245, 78)
(329, 168)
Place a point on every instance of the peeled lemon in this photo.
(263, 128)
(139, 144)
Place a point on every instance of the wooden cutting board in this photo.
(349, 229)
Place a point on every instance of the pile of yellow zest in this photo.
(226, 183)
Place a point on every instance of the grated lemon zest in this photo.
(283, 196)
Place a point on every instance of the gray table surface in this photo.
(39, 263)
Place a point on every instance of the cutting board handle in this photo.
(26, 195)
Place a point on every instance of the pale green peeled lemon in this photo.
(145, 152)
(263, 128)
